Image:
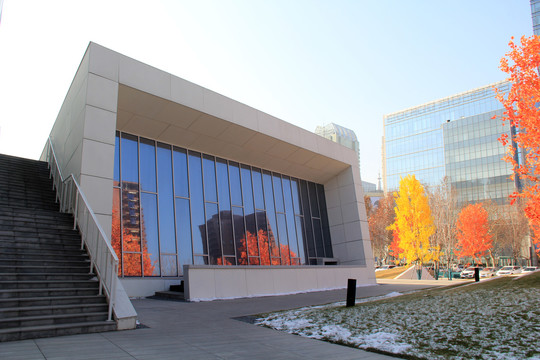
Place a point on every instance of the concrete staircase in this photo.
(46, 288)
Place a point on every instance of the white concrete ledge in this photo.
(204, 283)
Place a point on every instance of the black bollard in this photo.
(476, 274)
(351, 292)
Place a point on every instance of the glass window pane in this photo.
(313, 200)
(252, 242)
(262, 237)
(212, 233)
(183, 232)
(319, 244)
(209, 171)
(278, 193)
(150, 234)
(130, 159)
(300, 235)
(148, 165)
(197, 203)
(167, 237)
(169, 265)
(257, 188)
(284, 247)
(223, 184)
(227, 239)
(271, 218)
(132, 264)
(240, 236)
(181, 187)
(116, 176)
(310, 239)
(116, 229)
(131, 240)
(296, 197)
(236, 190)
(246, 190)
(325, 225)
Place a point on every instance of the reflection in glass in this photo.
(212, 233)
(130, 159)
(313, 200)
(209, 171)
(317, 230)
(167, 239)
(149, 234)
(296, 197)
(284, 248)
(301, 238)
(148, 165)
(181, 187)
(168, 265)
(116, 229)
(271, 218)
(258, 188)
(307, 219)
(278, 193)
(324, 219)
(197, 203)
(236, 189)
(192, 208)
(239, 236)
(183, 232)
(132, 264)
(116, 176)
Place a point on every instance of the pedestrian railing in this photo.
(72, 200)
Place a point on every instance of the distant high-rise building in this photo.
(535, 10)
(341, 135)
(454, 137)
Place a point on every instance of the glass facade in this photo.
(454, 137)
(535, 10)
(173, 206)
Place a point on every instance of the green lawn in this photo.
(496, 319)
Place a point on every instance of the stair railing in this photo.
(72, 200)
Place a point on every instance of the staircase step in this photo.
(45, 276)
(170, 295)
(51, 300)
(53, 292)
(48, 310)
(34, 332)
(48, 284)
(46, 288)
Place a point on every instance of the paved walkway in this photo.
(204, 330)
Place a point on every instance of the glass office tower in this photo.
(535, 10)
(454, 137)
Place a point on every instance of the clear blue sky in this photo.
(307, 62)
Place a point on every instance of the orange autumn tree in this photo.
(394, 245)
(257, 249)
(523, 114)
(130, 243)
(472, 231)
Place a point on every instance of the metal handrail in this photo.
(103, 258)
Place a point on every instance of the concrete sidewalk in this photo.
(204, 330)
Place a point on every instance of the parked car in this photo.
(509, 270)
(488, 272)
(385, 267)
(468, 273)
(529, 269)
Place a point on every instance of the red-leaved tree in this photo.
(521, 111)
(473, 232)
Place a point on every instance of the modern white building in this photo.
(189, 184)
